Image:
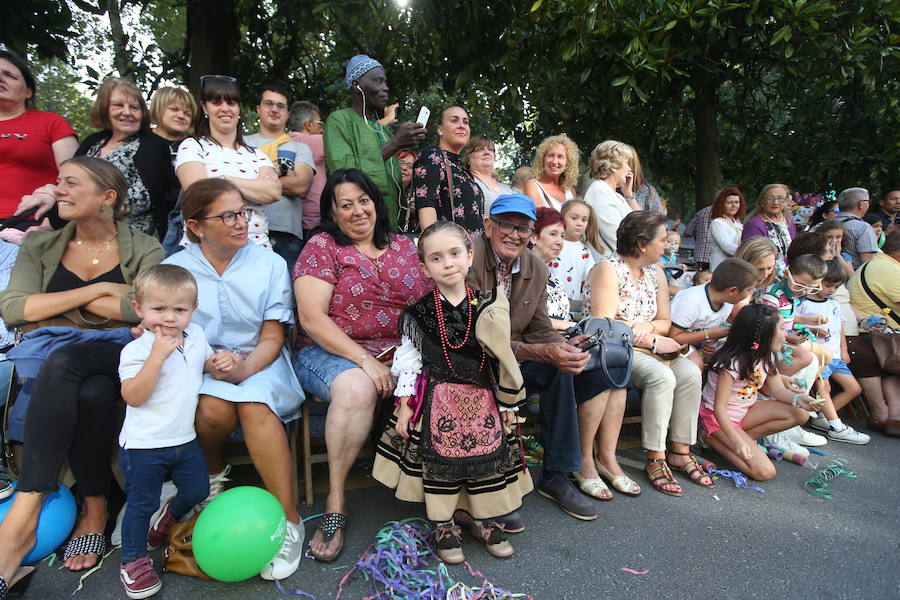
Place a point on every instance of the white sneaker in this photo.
(288, 558)
(805, 438)
(780, 440)
(849, 435)
(216, 486)
(820, 423)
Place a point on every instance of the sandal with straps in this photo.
(692, 469)
(331, 523)
(90, 543)
(659, 474)
(17, 584)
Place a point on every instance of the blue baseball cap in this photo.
(514, 203)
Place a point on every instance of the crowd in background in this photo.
(302, 242)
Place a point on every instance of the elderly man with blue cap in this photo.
(550, 363)
(355, 139)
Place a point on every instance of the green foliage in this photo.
(39, 25)
(58, 92)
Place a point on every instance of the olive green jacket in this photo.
(41, 253)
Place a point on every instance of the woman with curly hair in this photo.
(554, 172)
(611, 170)
(727, 214)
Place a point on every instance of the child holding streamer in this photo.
(743, 366)
(449, 441)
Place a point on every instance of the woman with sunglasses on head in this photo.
(479, 156)
(218, 151)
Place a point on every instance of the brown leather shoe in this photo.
(448, 543)
(492, 536)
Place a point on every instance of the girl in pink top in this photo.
(738, 370)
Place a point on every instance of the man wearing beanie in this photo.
(355, 139)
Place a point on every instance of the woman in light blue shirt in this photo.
(245, 307)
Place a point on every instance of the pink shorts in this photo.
(709, 423)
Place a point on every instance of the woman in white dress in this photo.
(727, 214)
(611, 170)
(554, 172)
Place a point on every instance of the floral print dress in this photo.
(431, 189)
(637, 297)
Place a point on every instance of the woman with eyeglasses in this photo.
(127, 141)
(351, 283)
(75, 280)
(442, 186)
(479, 156)
(244, 306)
(768, 220)
(218, 151)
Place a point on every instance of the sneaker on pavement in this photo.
(160, 527)
(6, 487)
(139, 578)
(561, 490)
(288, 558)
(781, 440)
(804, 438)
(820, 423)
(849, 435)
(216, 486)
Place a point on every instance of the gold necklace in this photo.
(99, 249)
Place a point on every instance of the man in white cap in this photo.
(355, 139)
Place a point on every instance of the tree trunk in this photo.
(707, 169)
(213, 36)
(121, 57)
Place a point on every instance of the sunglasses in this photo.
(204, 78)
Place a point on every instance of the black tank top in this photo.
(64, 279)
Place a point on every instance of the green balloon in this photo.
(238, 533)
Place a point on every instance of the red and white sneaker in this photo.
(139, 578)
(160, 528)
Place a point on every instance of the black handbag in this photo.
(614, 349)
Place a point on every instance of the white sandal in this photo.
(593, 487)
(623, 483)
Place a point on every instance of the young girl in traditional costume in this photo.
(449, 442)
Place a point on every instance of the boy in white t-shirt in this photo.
(161, 373)
(829, 332)
(700, 314)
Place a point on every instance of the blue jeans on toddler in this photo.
(145, 471)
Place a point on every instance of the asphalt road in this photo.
(719, 543)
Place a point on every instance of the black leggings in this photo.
(74, 414)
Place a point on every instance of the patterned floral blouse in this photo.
(430, 189)
(557, 302)
(369, 294)
(637, 297)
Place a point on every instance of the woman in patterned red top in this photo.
(352, 281)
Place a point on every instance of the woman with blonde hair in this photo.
(768, 220)
(172, 113)
(645, 193)
(611, 170)
(554, 172)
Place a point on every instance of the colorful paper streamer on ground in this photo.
(818, 484)
(397, 567)
(740, 480)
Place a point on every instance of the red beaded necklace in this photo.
(442, 328)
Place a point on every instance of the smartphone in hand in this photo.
(424, 113)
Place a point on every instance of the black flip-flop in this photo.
(90, 543)
(331, 523)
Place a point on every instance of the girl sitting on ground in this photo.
(742, 367)
(454, 450)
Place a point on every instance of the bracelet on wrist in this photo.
(706, 333)
(653, 348)
(362, 359)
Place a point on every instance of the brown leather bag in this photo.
(178, 557)
(887, 350)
